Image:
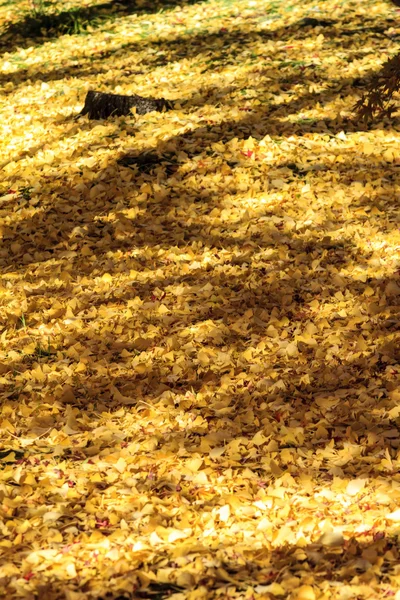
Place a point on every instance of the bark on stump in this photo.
(99, 105)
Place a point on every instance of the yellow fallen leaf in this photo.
(194, 464)
(203, 358)
(185, 579)
(224, 513)
(259, 439)
(292, 350)
(305, 592)
(178, 534)
(275, 468)
(8, 569)
(355, 486)
(7, 426)
(394, 516)
(248, 354)
(332, 539)
(70, 570)
(216, 452)
(120, 465)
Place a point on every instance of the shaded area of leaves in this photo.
(52, 24)
(275, 573)
(148, 161)
(222, 48)
(43, 24)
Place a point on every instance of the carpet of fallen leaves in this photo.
(199, 309)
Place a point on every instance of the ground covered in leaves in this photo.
(199, 309)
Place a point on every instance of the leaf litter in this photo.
(199, 362)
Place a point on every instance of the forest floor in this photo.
(199, 308)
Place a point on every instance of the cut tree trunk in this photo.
(99, 105)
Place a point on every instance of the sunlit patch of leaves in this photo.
(199, 348)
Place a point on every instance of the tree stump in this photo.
(99, 105)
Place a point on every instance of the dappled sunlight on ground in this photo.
(199, 347)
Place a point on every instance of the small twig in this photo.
(150, 406)
(31, 439)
